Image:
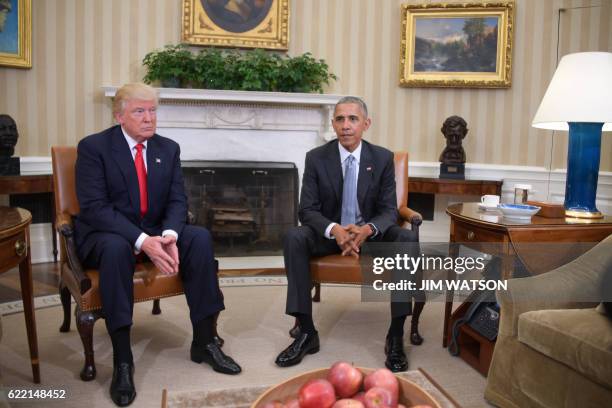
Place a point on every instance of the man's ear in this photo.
(367, 124)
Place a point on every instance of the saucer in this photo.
(519, 212)
(486, 207)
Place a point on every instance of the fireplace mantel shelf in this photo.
(220, 96)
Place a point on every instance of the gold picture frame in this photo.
(16, 33)
(237, 23)
(457, 45)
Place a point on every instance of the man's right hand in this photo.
(345, 241)
(153, 247)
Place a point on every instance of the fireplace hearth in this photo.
(247, 206)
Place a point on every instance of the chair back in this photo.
(400, 159)
(63, 159)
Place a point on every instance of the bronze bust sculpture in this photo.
(452, 158)
(8, 139)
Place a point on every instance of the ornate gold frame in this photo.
(271, 33)
(23, 57)
(503, 10)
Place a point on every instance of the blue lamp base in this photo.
(583, 170)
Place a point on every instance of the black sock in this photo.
(203, 332)
(122, 350)
(397, 326)
(306, 323)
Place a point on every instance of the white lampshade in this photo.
(580, 91)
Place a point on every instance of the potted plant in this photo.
(172, 67)
(253, 70)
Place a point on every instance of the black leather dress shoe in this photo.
(217, 359)
(122, 390)
(306, 343)
(396, 357)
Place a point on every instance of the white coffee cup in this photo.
(490, 200)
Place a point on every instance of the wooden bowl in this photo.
(409, 393)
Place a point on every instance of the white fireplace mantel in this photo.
(220, 109)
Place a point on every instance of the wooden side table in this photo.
(475, 229)
(454, 187)
(15, 250)
(42, 183)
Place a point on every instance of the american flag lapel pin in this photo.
(369, 168)
(157, 160)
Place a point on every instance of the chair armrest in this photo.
(409, 215)
(64, 226)
(574, 285)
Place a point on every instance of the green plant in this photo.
(253, 70)
(172, 66)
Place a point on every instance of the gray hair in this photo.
(355, 100)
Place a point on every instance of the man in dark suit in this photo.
(347, 197)
(132, 201)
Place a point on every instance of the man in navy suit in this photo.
(347, 197)
(132, 201)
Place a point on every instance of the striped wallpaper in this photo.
(80, 45)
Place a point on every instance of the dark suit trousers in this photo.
(301, 243)
(114, 257)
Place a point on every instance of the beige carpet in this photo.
(255, 329)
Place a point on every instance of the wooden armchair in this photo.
(82, 284)
(345, 269)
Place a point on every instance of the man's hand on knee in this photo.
(345, 241)
(359, 233)
(154, 248)
(169, 245)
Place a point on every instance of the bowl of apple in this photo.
(346, 386)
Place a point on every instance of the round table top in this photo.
(470, 211)
(13, 218)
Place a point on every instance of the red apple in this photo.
(360, 396)
(345, 378)
(348, 403)
(383, 378)
(317, 393)
(378, 397)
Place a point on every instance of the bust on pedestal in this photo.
(452, 159)
(9, 166)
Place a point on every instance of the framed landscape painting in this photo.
(237, 23)
(15, 33)
(462, 45)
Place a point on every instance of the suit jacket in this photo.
(108, 193)
(321, 196)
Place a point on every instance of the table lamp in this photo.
(579, 98)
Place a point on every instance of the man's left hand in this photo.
(169, 245)
(360, 233)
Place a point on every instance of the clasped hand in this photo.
(349, 238)
(163, 252)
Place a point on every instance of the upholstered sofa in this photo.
(554, 347)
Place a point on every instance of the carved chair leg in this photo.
(415, 336)
(317, 295)
(85, 322)
(65, 297)
(156, 309)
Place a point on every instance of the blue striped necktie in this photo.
(349, 192)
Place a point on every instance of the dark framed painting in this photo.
(16, 33)
(462, 45)
(237, 23)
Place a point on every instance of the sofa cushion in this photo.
(578, 338)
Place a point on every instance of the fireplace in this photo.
(247, 206)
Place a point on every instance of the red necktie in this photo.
(141, 171)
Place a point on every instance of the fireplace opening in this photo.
(246, 206)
